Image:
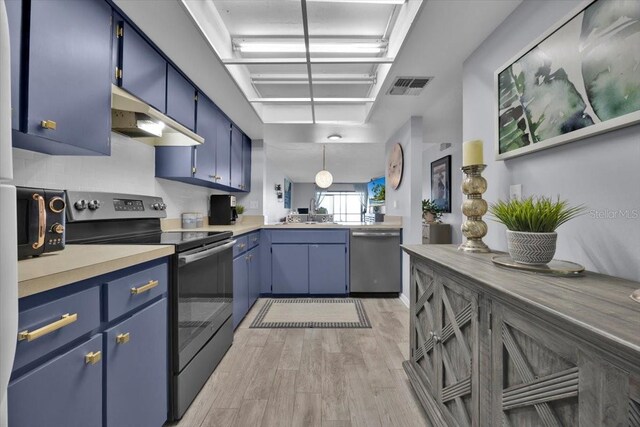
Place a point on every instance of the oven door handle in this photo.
(188, 258)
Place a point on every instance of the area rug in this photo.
(312, 313)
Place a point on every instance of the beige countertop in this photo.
(80, 262)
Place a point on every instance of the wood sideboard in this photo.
(497, 347)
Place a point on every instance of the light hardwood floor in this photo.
(313, 377)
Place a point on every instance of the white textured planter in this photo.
(239, 219)
(531, 248)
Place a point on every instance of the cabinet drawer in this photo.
(241, 245)
(126, 293)
(254, 239)
(136, 369)
(52, 325)
(319, 236)
(66, 391)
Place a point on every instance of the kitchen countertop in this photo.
(80, 262)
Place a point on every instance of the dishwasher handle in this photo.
(191, 257)
(375, 234)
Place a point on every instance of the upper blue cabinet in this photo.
(61, 64)
(246, 163)
(142, 71)
(209, 120)
(236, 158)
(181, 99)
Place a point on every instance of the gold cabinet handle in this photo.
(93, 357)
(49, 124)
(123, 338)
(144, 288)
(65, 320)
(42, 221)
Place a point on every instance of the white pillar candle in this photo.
(472, 153)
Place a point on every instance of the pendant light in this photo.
(324, 179)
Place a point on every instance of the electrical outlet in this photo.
(515, 192)
(395, 204)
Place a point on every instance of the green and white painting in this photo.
(582, 79)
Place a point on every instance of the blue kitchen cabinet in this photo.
(65, 391)
(14, 15)
(327, 269)
(207, 127)
(223, 151)
(254, 275)
(246, 163)
(236, 158)
(290, 269)
(144, 70)
(65, 81)
(181, 99)
(136, 369)
(240, 289)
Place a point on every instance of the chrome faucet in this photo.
(312, 206)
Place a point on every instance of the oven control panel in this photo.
(93, 206)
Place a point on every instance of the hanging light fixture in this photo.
(324, 179)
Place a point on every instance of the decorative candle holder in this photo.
(474, 228)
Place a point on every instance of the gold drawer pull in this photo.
(93, 357)
(65, 320)
(144, 288)
(48, 124)
(123, 338)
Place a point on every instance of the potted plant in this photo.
(531, 226)
(431, 212)
(239, 211)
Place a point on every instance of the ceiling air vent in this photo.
(411, 86)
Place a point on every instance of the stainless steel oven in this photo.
(205, 296)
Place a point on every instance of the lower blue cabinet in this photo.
(290, 269)
(327, 269)
(240, 289)
(136, 369)
(254, 275)
(65, 391)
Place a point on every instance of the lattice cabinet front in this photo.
(444, 331)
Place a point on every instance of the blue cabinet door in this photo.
(206, 127)
(254, 275)
(136, 369)
(236, 158)
(240, 289)
(14, 15)
(223, 151)
(144, 71)
(327, 269)
(246, 163)
(290, 269)
(181, 99)
(66, 391)
(68, 80)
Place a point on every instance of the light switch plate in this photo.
(515, 192)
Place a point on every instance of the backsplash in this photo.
(129, 169)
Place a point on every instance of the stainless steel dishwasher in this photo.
(375, 261)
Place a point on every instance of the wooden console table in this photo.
(498, 347)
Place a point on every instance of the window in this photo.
(344, 206)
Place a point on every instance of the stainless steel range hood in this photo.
(132, 117)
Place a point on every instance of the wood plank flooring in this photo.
(313, 377)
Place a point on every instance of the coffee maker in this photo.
(222, 209)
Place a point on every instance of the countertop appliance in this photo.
(222, 209)
(201, 285)
(8, 220)
(40, 219)
(375, 261)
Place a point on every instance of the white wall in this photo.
(432, 153)
(601, 171)
(273, 208)
(406, 201)
(129, 169)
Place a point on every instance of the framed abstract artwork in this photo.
(441, 183)
(580, 78)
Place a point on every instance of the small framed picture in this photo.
(441, 183)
